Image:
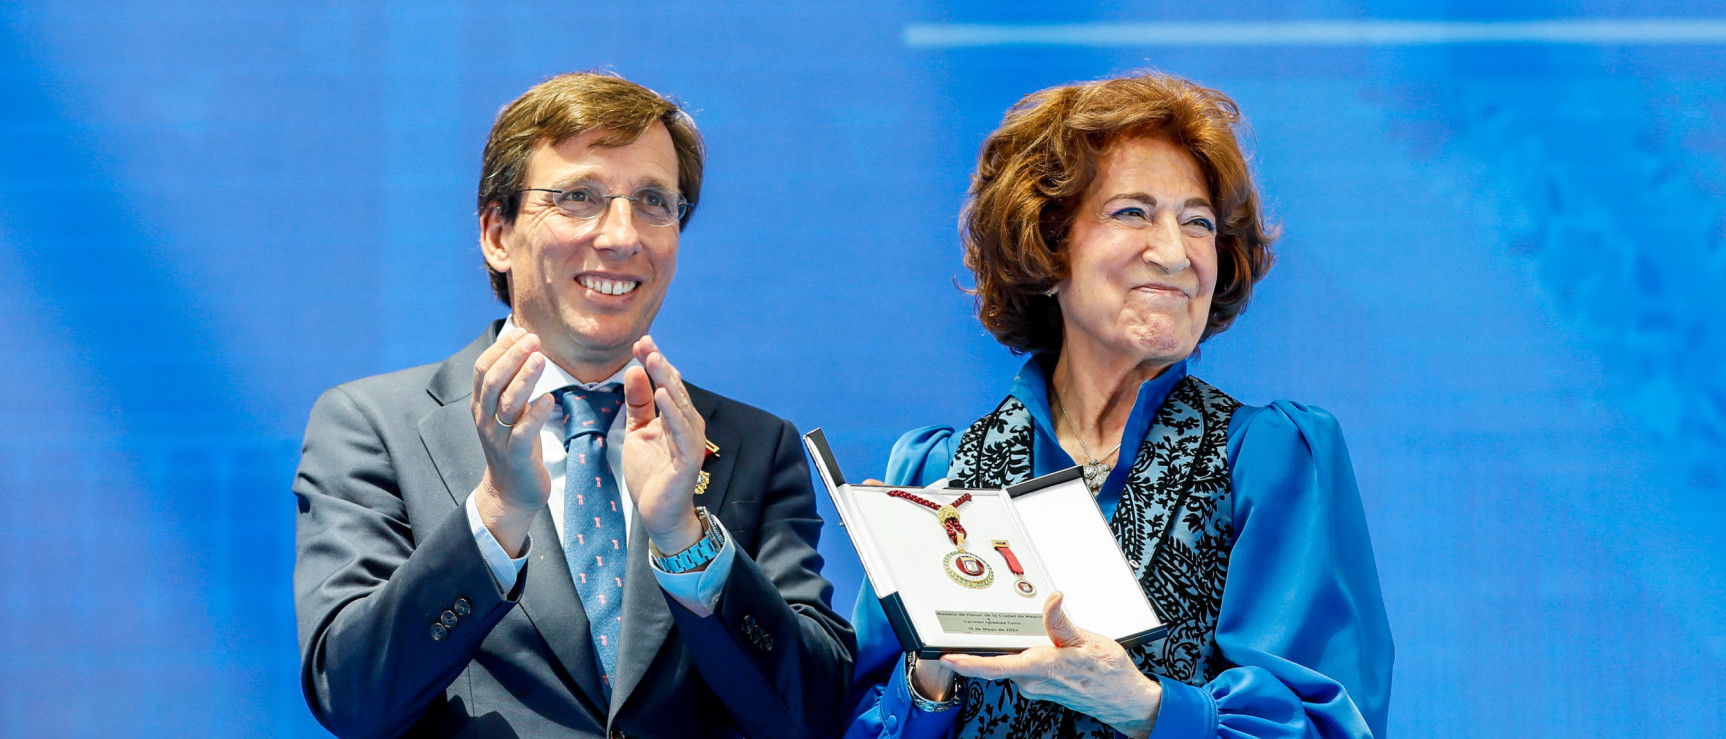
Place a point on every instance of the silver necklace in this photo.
(1096, 470)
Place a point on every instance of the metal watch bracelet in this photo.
(924, 704)
(698, 554)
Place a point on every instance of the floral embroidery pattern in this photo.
(1173, 524)
(995, 448)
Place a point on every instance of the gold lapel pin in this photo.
(701, 482)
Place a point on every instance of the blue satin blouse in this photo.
(1302, 618)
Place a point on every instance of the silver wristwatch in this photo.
(917, 699)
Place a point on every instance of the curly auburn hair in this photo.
(1034, 170)
(570, 105)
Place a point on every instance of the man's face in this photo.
(588, 288)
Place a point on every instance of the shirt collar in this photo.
(1031, 387)
(556, 378)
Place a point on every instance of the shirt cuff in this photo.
(699, 591)
(1186, 711)
(504, 569)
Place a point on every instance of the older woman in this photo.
(1113, 227)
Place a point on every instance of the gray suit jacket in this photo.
(384, 550)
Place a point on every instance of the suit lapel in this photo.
(548, 597)
(718, 467)
(550, 602)
(447, 432)
(646, 614)
(646, 618)
(454, 448)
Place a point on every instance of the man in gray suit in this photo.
(550, 533)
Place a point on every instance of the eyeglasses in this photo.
(655, 206)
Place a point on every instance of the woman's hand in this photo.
(1084, 671)
(932, 679)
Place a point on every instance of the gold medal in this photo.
(968, 569)
(964, 568)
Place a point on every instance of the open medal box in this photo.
(1020, 544)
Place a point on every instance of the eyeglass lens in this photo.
(651, 204)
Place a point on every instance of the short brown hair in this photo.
(1035, 168)
(570, 105)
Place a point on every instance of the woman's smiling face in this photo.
(1141, 256)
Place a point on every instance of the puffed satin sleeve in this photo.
(881, 700)
(1302, 621)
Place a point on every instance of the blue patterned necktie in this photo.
(593, 527)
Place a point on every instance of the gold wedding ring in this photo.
(501, 423)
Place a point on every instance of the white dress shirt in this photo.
(696, 591)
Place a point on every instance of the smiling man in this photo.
(550, 533)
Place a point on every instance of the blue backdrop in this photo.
(1502, 269)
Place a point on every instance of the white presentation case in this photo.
(1055, 530)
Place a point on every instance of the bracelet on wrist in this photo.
(922, 703)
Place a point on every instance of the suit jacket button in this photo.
(438, 632)
(767, 642)
(748, 624)
(449, 619)
(462, 607)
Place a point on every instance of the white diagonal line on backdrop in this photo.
(1322, 33)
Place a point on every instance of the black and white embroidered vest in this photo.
(1174, 523)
